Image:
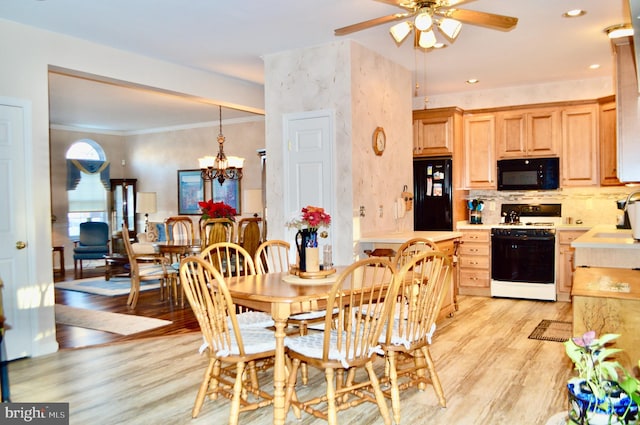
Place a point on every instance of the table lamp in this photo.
(146, 204)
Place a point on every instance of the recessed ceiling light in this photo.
(619, 30)
(594, 66)
(473, 81)
(574, 13)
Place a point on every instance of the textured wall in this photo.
(365, 91)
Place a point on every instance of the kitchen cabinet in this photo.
(474, 263)
(607, 142)
(579, 161)
(528, 132)
(565, 263)
(450, 303)
(479, 151)
(435, 131)
(628, 109)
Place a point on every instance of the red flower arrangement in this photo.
(212, 209)
(311, 218)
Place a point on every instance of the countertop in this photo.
(401, 237)
(607, 236)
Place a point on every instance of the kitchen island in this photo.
(607, 246)
(607, 300)
(446, 241)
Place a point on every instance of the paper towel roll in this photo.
(401, 208)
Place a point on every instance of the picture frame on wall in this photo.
(227, 192)
(190, 192)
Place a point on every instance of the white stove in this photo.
(523, 252)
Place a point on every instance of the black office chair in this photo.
(92, 245)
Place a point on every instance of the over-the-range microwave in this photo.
(528, 174)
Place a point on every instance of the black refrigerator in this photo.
(432, 194)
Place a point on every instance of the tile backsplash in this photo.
(593, 206)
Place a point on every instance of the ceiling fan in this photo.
(430, 13)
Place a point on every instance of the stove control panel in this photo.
(519, 232)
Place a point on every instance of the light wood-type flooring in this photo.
(490, 371)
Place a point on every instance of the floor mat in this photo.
(122, 324)
(100, 286)
(552, 330)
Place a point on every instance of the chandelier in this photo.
(221, 167)
(423, 24)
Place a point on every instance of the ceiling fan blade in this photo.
(485, 19)
(370, 23)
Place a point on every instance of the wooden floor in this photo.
(490, 371)
(149, 305)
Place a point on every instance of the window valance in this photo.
(87, 166)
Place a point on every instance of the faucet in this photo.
(626, 204)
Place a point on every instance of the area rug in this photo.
(552, 330)
(100, 286)
(122, 324)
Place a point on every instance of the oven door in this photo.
(523, 259)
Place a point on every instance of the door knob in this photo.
(21, 245)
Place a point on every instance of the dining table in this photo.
(281, 295)
(178, 248)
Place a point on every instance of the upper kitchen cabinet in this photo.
(580, 145)
(479, 151)
(435, 131)
(628, 110)
(528, 132)
(608, 150)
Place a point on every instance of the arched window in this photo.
(87, 171)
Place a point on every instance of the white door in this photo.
(308, 163)
(14, 256)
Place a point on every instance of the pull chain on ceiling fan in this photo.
(426, 15)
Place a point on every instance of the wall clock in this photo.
(379, 141)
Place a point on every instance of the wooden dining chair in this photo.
(233, 350)
(179, 229)
(214, 230)
(231, 260)
(422, 286)
(410, 248)
(148, 266)
(272, 257)
(351, 344)
(250, 234)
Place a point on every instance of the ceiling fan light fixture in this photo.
(427, 39)
(450, 27)
(400, 31)
(619, 30)
(423, 21)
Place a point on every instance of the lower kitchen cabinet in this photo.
(450, 303)
(474, 263)
(565, 263)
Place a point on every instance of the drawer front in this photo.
(447, 247)
(476, 236)
(568, 236)
(475, 278)
(474, 262)
(474, 249)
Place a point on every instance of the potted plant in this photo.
(603, 392)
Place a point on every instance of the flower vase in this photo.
(305, 238)
(586, 409)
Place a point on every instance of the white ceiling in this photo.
(231, 38)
